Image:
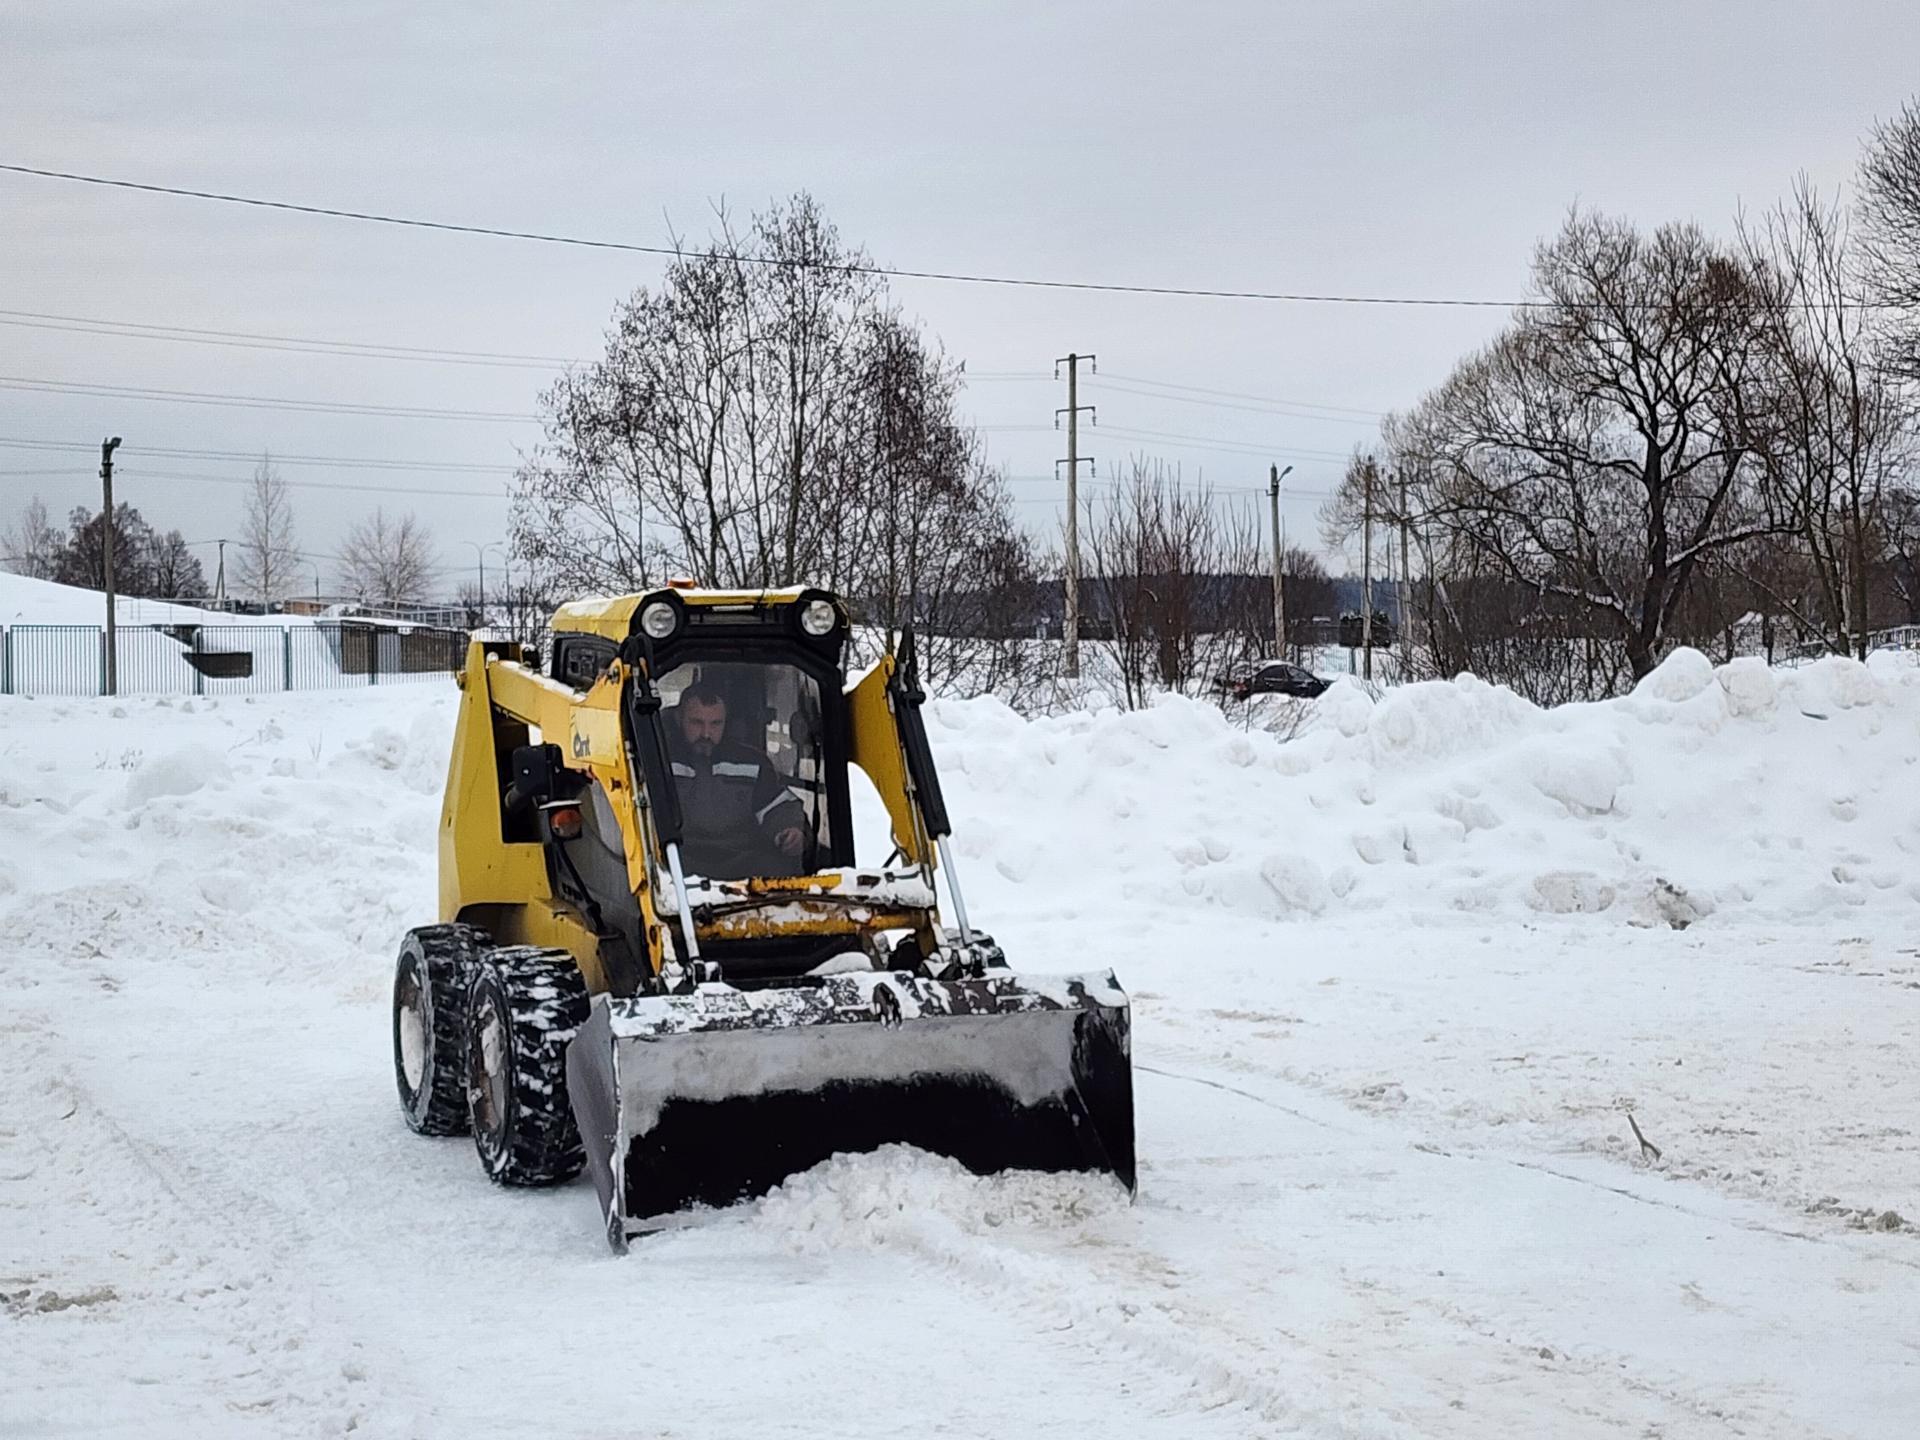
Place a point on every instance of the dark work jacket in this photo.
(733, 803)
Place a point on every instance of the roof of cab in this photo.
(612, 615)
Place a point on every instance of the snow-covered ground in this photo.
(1398, 984)
(26, 601)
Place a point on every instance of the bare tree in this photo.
(1173, 582)
(269, 557)
(388, 560)
(754, 424)
(145, 561)
(718, 432)
(1601, 451)
(1902, 536)
(31, 547)
(1890, 207)
(83, 554)
(1833, 431)
(173, 572)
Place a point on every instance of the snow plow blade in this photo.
(716, 1096)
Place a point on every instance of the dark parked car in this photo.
(1275, 677)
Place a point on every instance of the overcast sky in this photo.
(1400, 148)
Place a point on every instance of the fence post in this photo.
(6, 661)
(373, 655)
(103, 658)
(199, 679)
(286, 655)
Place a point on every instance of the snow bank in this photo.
(1709, 795)
(26, 601)
(1732, 792)
(286, 833)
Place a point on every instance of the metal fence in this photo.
(1900, 637)
(223, 659)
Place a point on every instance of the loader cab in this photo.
(751, 697)
(740, 736)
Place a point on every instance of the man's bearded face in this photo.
(703, 725)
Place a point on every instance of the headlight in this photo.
(817, 617)
(659, 620)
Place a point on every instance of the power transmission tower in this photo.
(1275, 475)
(107, 447)
(220, 573)
(1072, 411)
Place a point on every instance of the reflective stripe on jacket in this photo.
(733, 801)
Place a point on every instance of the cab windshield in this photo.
(747, 748)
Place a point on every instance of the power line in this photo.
(349, 349)
(1194, 395)
(1291, 414)
(254, 457)
(291, 344)
(1182, 485)
(35, 385)
(326, 555)
(845, 267)
(1239, 395)
(1228, 447)
(319, 484)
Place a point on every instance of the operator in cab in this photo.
(740, 817)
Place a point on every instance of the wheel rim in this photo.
(411, 1028)
(487, 1080)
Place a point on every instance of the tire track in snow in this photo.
(1119, 1301)
(228, 1339)
(1603, 1370)
(1364, 1126)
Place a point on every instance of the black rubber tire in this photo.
(523, 1005)
(430, 1026)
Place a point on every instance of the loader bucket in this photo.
(717, 1096)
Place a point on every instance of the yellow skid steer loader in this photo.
(658, 959)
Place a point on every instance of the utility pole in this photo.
(1072, 412)
(1406, 585)
(480, 556)
(1390, 580)
(1366, 576)
(107, 447)
(1274, 476)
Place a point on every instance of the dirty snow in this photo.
(1399, 984)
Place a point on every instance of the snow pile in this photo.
(1736, 792)
(900, 1196)
(26, 601)
(285, 831)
